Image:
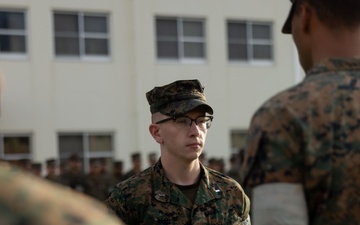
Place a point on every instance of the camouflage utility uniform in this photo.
(150, 198)
(74, 180)
(310, 134)
(29, 200)
(97, 186)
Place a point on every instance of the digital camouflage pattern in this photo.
(150, 198)
(73, 179)
(310, 134)
(177, 98)
(29, 200)
(97, 186)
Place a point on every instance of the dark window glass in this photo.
(261, 32)
(67, 46)
(193, 29)
(96, 46)
(70, 144)
(193, 50)
(12, 43)
(237, 31)
(66, 23)
(167, 49)
(100, 143)
(166, 28)
(16, 145)
(12, 20)
(238, 52)
(262, 52)
(95, 24)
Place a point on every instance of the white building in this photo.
(76, 72)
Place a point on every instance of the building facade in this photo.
(76, 72)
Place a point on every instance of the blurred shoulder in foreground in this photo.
(26, 199)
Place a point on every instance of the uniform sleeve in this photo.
(273, 155)
(273, 149)
(116, 203)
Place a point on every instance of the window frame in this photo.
(19, 155)
(250, 42)
(85, 153)
(238, 139)
(25, 33)
(82, 35)
(181, 39)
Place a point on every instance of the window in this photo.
(15, 146)
(81, 35)
(180, 39)
(238, 140)
(12, 32)
(86, 146)
(250, 41)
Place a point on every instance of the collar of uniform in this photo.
(208, 188)
(335, 64)
(166, 191)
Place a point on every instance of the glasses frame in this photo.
(192, 120)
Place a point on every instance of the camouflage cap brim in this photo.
(286, 29)
(182, 107)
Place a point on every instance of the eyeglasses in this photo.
(185, 122)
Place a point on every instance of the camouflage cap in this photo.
(287, 25)
(95, 162)
(75, 158)
(135, 155)
(118, 164)
(177, 98)
(51, 162)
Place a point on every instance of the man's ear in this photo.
(155, 132)
(307, 15)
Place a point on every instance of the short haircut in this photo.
(336, 13)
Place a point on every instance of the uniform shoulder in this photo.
(138, 181)
(232, 192)
(221, 177)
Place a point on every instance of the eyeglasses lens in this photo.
(202, 122)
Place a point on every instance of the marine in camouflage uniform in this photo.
(74, 176)
(96, 184)
(29, 200)
(150, 198)
(309, 135)
(136, 165)
(51, 167)
(117, 173)
(178, 189)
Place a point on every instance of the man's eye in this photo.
(181, 120)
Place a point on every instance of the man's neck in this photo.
(181, 173)
(342, 44)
